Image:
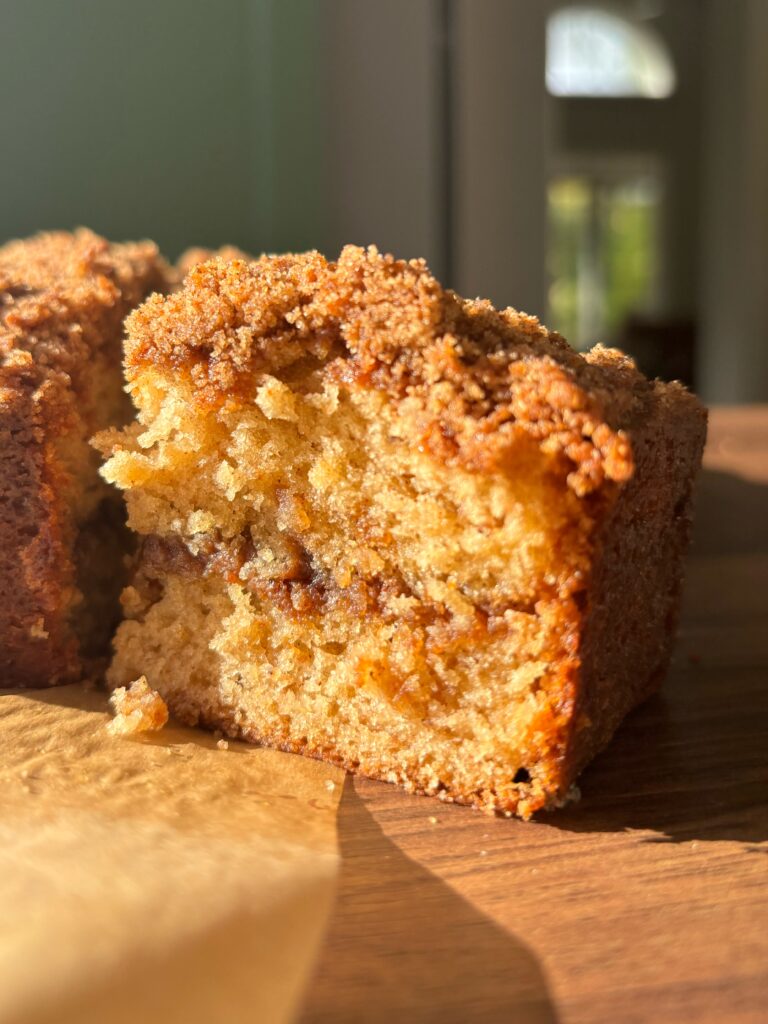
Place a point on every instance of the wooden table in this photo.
(646, 902)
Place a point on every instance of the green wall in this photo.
(188, 121)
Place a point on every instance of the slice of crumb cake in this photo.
(395, 529)
(63, 298)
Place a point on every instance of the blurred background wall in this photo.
(602, 165)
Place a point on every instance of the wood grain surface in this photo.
(647, 901)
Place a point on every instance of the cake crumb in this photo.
(432, 820)
(483, 853)
(137, 708)
(330, 785)
(572, 796)
(37, 630)
(222, 744)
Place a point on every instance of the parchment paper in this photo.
(158, 878)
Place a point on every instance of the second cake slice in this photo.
(63, 298)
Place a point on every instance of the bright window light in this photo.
(594, 52)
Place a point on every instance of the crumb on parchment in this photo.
(137, 708)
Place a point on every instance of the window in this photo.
(603, 252)
(592, 51)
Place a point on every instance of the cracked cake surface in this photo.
(394, 528)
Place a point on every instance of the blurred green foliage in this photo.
(603, 254)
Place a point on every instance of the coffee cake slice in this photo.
(392, 528)
(63, 298)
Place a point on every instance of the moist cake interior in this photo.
(329, 576)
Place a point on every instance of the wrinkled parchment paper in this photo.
(158, 878)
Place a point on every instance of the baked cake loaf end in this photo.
(399, 530)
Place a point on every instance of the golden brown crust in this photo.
(193, 257)
(59, 291)
(479, 377)
(62, 301)
(630, 619)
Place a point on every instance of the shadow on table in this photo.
(692, 763)
(730, 515)
(403, 945)
(705, 779)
